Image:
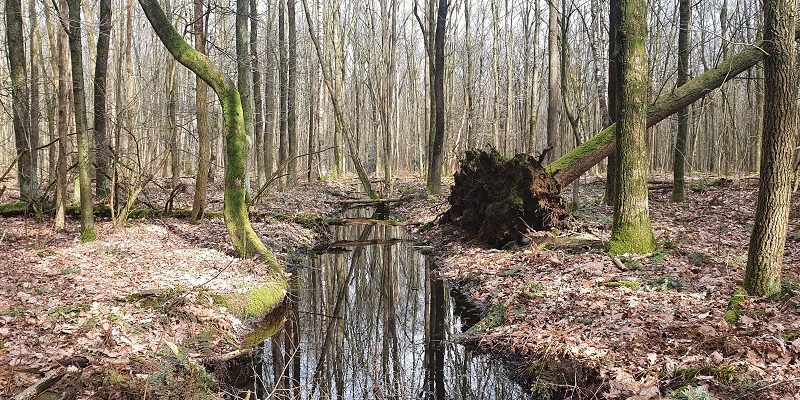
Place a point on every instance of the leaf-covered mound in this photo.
(500, 199)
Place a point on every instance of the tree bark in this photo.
(434, 181)
(765, 254)
(631, 231)
(101, 143)
(291, 94)
(679, 158)
(283, 82)
(613, 95)
(553, 87)
(245, 79)
(23, 139)
(87, 230)
(62, 124)
(201, 110)
(258, 104)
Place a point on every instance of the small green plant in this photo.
(620, 284)
(15, 311)
(659, 257)
(533, 290)
(735, 305)
(692, 393)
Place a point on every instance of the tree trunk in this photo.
(201, 110)
(613, 95)
(62, 124)
(25, 142)
(765, 254)
(244, 240)
(554, 95)
(35, 110)
(679, 158)
(283, 66)
(577, 161)
(172, 112)
(245, 79)
(258, 105)
(101, 143)
(291, 112)
(434, 181)
(87, 230)
(631, 231)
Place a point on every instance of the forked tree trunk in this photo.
(242, 237)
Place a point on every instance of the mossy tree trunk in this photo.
(242, 237)
(87, 230)
(62, 124)
(765, 255)
(244, 78)
(631, 231)
(679, 160)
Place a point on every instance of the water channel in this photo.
(367, 321)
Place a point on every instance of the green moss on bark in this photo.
(255, 304)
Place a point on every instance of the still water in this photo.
(369, 322)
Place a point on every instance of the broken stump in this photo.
(500, 199)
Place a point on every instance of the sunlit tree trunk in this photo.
(765, 255)
(87, 230)
(631, 231)
(553, 86)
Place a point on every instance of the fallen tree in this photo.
(576, 162)
(500, 199)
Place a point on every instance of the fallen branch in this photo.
(49, 379)
(369, 202)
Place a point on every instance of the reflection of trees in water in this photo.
(371, 324)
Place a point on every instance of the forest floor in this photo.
(136, 304)
(589, 326)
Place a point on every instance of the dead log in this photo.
(48, 380)
(500, 199)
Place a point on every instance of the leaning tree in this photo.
(242, 236)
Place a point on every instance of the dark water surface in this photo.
(369, 322)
